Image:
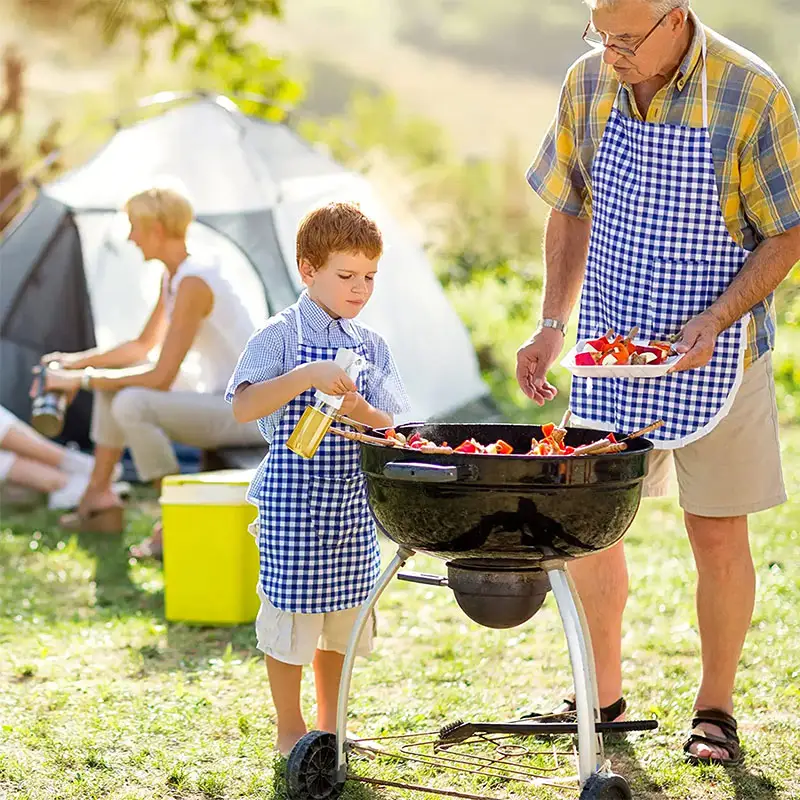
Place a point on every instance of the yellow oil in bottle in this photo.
(309, 431)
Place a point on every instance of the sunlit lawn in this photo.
(101, 698)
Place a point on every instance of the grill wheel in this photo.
(311, 768)
(606, 786)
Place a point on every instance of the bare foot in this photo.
(287, 741)
(706, 751)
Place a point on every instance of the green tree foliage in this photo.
(210, 36)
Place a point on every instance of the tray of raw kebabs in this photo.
(617, 356)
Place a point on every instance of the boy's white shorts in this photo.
(293, 638)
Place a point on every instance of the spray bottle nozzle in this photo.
(352, 364)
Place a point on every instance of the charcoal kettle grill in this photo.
(506, 526)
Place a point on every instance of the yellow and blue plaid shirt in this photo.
(755, 140)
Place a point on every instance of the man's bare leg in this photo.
(602, 584)
(726, 585)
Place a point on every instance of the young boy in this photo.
(316, 538)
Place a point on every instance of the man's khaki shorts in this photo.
(736, 469)
(293, 638)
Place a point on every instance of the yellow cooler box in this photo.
(210, 558)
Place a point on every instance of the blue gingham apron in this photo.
(659, 254)
(316, 536)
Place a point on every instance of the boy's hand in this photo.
(349, 404)
(330, 378)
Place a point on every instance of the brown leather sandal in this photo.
(729, 741)
(567, 711)
(110, 519)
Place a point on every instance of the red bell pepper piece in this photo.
(585, 360)
(415, 437)
(568, 451)
(601, 345)
(503, 448)
(467, 446)
(547, 430)
(391, 433)
(611, 438)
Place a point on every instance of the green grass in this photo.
(101, 698)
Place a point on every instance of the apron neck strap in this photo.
(297, 320)
(704, 79)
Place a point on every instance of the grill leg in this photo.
(590, 743)
(401, 556)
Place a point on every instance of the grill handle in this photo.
(422, 473)
(423, 577)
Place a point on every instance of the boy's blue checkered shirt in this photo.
(272, 351)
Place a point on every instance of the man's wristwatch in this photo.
(553, 323)
(86, 379)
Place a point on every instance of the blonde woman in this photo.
(137, 405)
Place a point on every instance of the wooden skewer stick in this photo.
(354, 436)
(619, 447)
(359, 426)
(631, 336)
(362, 437)
(591, 449)
(565, 419)
(644, 431)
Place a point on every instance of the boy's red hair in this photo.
(337, 228)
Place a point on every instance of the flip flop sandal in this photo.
(110, 519)
(567, 712)
(729, 741)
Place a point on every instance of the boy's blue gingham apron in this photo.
(659, 254)
(316, 537)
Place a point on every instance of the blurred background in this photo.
(441, 104)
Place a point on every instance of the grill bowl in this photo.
(518, 508)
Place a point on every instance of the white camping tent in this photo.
(250, 182)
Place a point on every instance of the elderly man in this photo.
(673, 174)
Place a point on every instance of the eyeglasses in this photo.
(596, 39)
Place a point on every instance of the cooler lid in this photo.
(226, 487)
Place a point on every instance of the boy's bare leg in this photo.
(327, 674)
(284, 684)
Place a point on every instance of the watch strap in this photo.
(548, 322)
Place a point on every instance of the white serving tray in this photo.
(617, 370)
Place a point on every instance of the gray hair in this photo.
(660, 7)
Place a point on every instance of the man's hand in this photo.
(698, 339)
(330, 378)
(534, 358)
